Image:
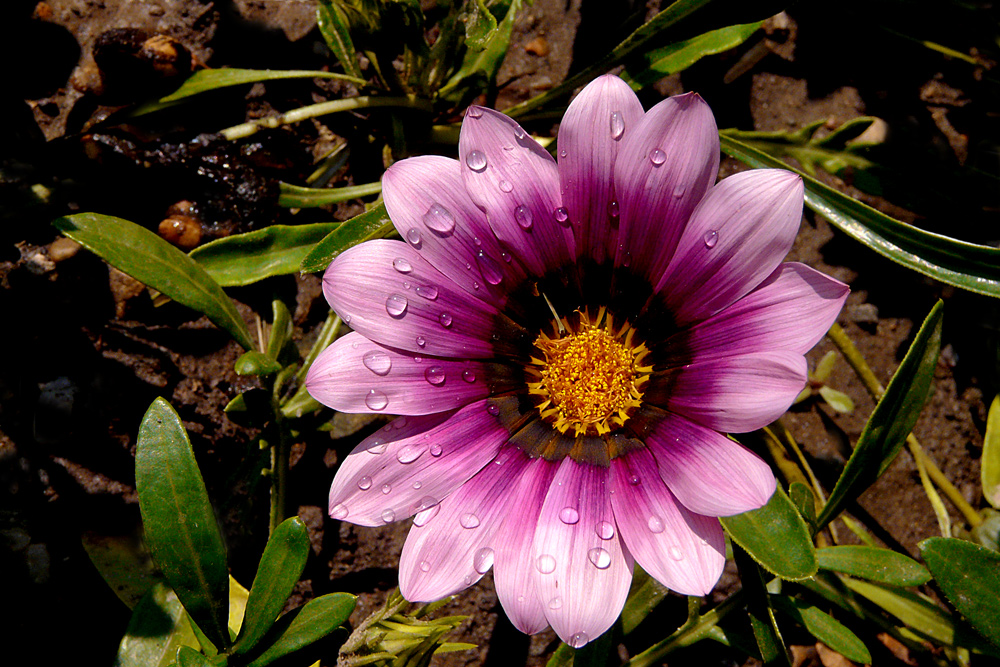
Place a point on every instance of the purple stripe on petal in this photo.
(736, 237)
(516, 182)
(682, 550)
(452, 550)
(706, 471)
(663, 170)
(427, 194)
(384, 290)
(582, 579)
(590, 135)
(412, 464)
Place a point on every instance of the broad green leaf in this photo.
(256, 363)
(645, 595)
(188, 657)
(990, 473)
(678, 56)
(305, 625)
(765, 628)
(158, 627)
(483, 65)
(804, 500)
(213, 79)
(966, 265)
(776, 537)
(124, 564)
(824, 627)
(336, 33)
(918, 614)
(243, 259)
(152, 261)
(181, 530)
(238, 596)
(295, 196)
(479, 25)
(373, 224)
(279, 569)
(893, 417)
(969, 575)
(875, 564)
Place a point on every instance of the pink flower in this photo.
(557, 451)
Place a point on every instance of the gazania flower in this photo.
(567, 341)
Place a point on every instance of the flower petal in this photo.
(427, 202)
(706, 471)
(412, 464)
(682, 550)
(384, 290)
(663, 170)
(736, 237)
(581, 578)
(590, 135)
(516, 182)
(356, 375)
(448, 549)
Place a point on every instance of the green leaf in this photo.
(188, 657)
(969, 575)
(893, 417)
(645, 595)
(256, 363)
(158, 627)
(874, 564)
(776, 537)
(295, 196)
(966, 265)
(837, 400)
(281, 329)
(990, 473)
(334, 27)
(279, 569)
(479, 25)
(149, 259)
(124, 564)
(918, 614)
(482, 66)
(824, 627)
(213, 79)
(804, 500)
(243, 259)
(678, 56)
(765, 628)
(373, 224)
(305, 625)
(181, 530)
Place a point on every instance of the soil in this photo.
(87, 349)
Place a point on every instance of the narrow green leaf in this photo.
(479, 25)
(303, 626)
(969, 575)
(256, 363)
(158, 627)
(990, 473)
(776, 537)
(213, 79)
(295, 196)
(824, 627)
(918, 614)
(481, 66)
(243, 259)
(152, 261)
(181, 530)
(765, 628)
(188, 657)
(562, 656)
(281, 329)
(966, 265)
(893, 417)
(875, 564)
(279, 569)
(837, 400)
(336, 33)
(373, 224)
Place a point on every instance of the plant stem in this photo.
(687, 634)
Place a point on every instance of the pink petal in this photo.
(516, 182)
(581, 578)
(448, 549)
(663, 170)
(384, 290)
(356, 375)
(412, 464)
(590, 136)
(427, 202)
(706, 471)
(682, 550)
(736, 237)
(732, 394)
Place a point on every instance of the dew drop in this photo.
(417, 484)
(426, 510)
(476, 160)
(518, 133)
(505, 256)
(469, 376)
(347, 319)
(483, 560)
(600, 558)
(338, 511)
(617, 125)
(711, 238)
(377, 447)
(469, 520)
(439, 219)
(376, 400)
(657, 157)
(429, 292)
(420, 341)
(506, 186)
(408, 454)
(365, 483)
(613, 209)
(377, 362)
(546, 564)
(523, 217)
(413, 236)
(634, 480)
(555, 603)
(445, 320)
(425, 566)
(627, 259)
(386, 489)
(568, 515)
(579, 640)
(435, 450)
(605, 530)
(402, 265)
(679, 192)
(675, 553)
(488, 268)
(474, 112)
(388, 516)
(435, 375)
(655, 524)
(395, 305)
(493, 409)
(561, 215)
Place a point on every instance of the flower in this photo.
(566, 342)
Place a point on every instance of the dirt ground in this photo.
(86, 350)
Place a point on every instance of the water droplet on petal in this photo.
(493, 409)
(376, 400)
(469, 520)
(605, 530)
(388, 516)
(569, 515)
(402, 265)
(474, 112)
(600, 558)
(505, 256)
(675, 553)
(423, 516)
(445, 320)
(377, 361)
(469, 376)
(617, 125)
(365, 483)
(711, 238)
(634, 480)
(657, 157)
(417, 484)
(613, 209)
(546, 564)
(420, 341)
(561, 215)
(506, 186)
(386, 489)
(518, 133)
(429, 292)
(655, 524)
(408, 454)
(555, 603)
(523, 217)
(476, 160)
(395, 305)
(347, 319)
(489, 268)
(579, 640)
(413, 236)
(679, 191)
(435, 375)
(439, 219)
(483, 560)
(425, 566)
(627, 259)
(377, 447)
(338, 511)
(435, 450)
